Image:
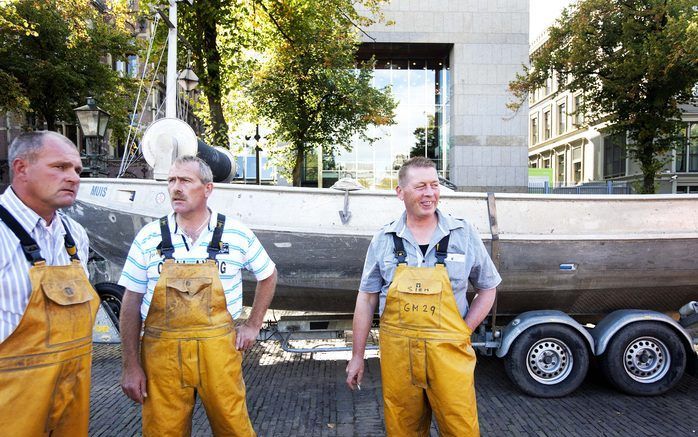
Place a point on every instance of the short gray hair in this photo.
(205, 173)
(417, 162)
(28, 144)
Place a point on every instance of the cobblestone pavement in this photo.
(304, 395)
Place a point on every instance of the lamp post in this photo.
(257, 149)
(93, 121)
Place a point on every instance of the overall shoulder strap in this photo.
(214, 247)
(70, 246)
(400, 253)
(166, 248)
(31, 250)
(442, 250)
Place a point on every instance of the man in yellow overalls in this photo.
(183, 280)
(418, 268)
(47, 305)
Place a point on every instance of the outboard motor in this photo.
(168, 138)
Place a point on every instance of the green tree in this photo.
(216, 33)
(635, 62)
(51, 56)
(306, 80)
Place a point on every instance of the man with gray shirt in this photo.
(418, 268)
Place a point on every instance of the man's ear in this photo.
(398, 190)
(19, 167)
(208, 190)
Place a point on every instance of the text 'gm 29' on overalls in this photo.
(427, 361)
(45, 362)
(189, 349)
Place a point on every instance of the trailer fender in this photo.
(612, 323)
(532, 318)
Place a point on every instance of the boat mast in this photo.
(171, 82)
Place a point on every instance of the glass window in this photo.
(547, 125)
(534, 130)
(687, 189)
(577, 172)
(687, 152)
(419, 84)
(578, 115)
(561, 118)
(561, 169)
(614, 155)
(132, 67)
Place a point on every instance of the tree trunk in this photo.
(648, 183)
(210, 65)
(50, 122)
(298, 165)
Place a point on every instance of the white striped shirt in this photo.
(15, 287)
(241, 250)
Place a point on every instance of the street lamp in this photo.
(257, 149)
(93, 121)
(187, 79)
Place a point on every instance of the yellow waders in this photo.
(427, 361)
(45, 363)
(189, 349)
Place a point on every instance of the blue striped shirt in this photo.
(242, 250)
(15, 287)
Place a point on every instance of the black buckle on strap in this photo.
(32, 252)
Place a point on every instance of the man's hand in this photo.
(246, 337)
(133, 383)
(355, 372)
(361, 326)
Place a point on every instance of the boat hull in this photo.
(548, 257)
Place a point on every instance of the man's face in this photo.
(51, 179)
(187, 193)
(420, 192)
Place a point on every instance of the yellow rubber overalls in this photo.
(45, 363)
(427, 361)
(189, 349)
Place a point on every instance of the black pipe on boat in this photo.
(222, 163)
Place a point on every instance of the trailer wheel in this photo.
(112, 294)
(548, 361)
(644, 359)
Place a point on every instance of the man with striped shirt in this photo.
(47, 305)
(183, 281)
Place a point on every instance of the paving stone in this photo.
(301, 395)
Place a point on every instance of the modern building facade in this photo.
(578, 152)
(448, 64)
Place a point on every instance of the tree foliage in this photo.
(306, 80)
(635, 62)
(217, 32)
(51, 54)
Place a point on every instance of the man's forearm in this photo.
(363, 319)
(480, 307)
(263, 295)
(130, 328)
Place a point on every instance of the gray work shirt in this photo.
(467, 258)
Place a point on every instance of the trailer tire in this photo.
(644, 359)
(548, 361)
(112, 294)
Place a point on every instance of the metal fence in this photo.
(608, 187)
